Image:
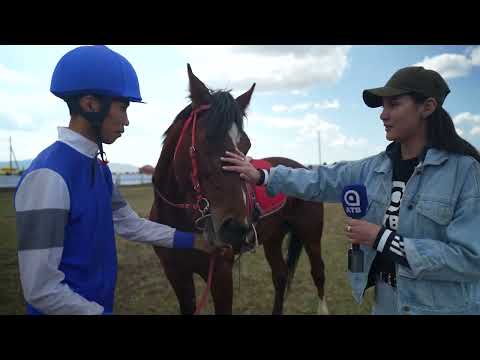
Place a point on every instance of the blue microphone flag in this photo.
(355, 201)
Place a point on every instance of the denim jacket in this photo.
(439, 220)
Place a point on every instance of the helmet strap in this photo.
(96, 119)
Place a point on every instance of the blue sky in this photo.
(301, 90)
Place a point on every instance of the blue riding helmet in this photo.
(97, 70)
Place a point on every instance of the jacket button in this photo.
(410, 207)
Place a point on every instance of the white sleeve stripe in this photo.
(397, 244)
(42, 189)
(398, 252)
(265, 181)
(129, 225)
(383, 240)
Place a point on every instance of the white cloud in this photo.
(29, 110)
(16, 120)
(26, 144)
(335, 104)
(466, 117)
(273, 68)
(448, 65)
(279, 108)
(12, 77)
(301, 107)
(296, 137)
(475, 56)
(307, 127)
(453, 65)
(475, 130)
(299, 92)
(154, 117)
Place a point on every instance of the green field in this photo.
(142, 287)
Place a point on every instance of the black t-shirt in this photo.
(402, 171)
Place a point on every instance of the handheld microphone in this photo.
(355, 204)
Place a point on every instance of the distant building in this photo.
(147, 169)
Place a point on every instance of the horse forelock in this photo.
(223, 114)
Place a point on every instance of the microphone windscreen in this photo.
(355, 201)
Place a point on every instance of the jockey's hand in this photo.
(201, 243)
(241, 164)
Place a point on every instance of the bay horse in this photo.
(190, 186)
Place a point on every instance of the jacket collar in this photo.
(77, 142)
(429, 156)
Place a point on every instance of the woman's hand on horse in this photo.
(241, 164)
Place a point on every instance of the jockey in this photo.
(67, 208)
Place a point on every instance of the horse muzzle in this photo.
(233, 233)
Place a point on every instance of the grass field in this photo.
(142, 287)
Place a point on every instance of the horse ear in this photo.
(244, 100)
(198, 91)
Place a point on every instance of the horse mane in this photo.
(223, 113)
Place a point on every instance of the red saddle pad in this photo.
(267, 203)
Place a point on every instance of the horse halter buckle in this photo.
(203, 205)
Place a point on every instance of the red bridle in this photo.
(192, 119)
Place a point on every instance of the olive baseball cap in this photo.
(407, 80)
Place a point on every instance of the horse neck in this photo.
(165, 175)
(166, 183)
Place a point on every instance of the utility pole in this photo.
(319, 148)
(12, 156)
(10, 151)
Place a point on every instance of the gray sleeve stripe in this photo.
(42, 189)
(41, 229)
(117, 199)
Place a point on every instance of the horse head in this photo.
(201, 133)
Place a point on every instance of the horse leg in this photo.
(182, 284)
(222, 287)
(273, 253)
(317, 266)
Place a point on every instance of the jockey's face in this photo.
(114, 124)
